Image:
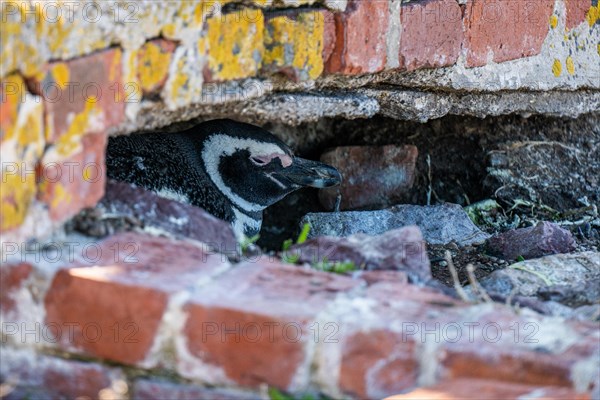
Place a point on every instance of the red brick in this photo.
(377, 363)
(360, 45)
(117, 304)
(67, 87)
(12, 277)
(374, 176)
(576, 12)
(75, 182)
(484, 389)
(505, 30)
(154, 59)
(146, 389)
(38, 376)
(432, 34)
(254, 322)
(513, 356)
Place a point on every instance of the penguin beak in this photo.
(311, 173)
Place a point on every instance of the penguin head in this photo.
(254, 169)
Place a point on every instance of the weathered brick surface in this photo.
(380, 357)
(505, 30)
(154, 59)
(505, 347)
(377, 363)
(432, 34)
(489, 390)
(67, 185)
(254, 323)
(22, 143)
(295, 43)
(12, 278)
(234, 43)
(27, 375)
(374, 176)
(82, 95)
(147, 389)
(360, 38)
(122, 295)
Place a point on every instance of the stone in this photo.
(254, 324)
(587, 292)
(543, 239)
(527, 278)
(432, 34)
(439, 224)
(373, 176)
(178, 219)
(502, 31)
(399, 250)
(115, 298)
(360, 38)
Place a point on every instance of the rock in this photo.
(178, 219)
(374, 176)
(541, 276)
(400, 250)
(537, 241)
(439, 224)
(573, 295)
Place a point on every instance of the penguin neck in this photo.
(246, 223)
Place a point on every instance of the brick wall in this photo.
(142, 317)
(71, 74)
(74, 73)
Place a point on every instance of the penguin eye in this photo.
(259, 161)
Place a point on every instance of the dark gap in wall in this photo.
(553, 158)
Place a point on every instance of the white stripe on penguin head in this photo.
(219, 145)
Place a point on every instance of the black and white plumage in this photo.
(231, 169)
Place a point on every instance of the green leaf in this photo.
(287, 244)
(304, 234)
(249, 241)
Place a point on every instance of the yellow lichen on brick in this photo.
(21, 117)
(556, 68)
(593, 15)
(22, 144)
(70, 142)
(180, 82)
(60, 195)
(235, 44)
(570, 65)
(18, 191)
(153, 65)
(60, 74)
(296, 43)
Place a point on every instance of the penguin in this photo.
(232, 170)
